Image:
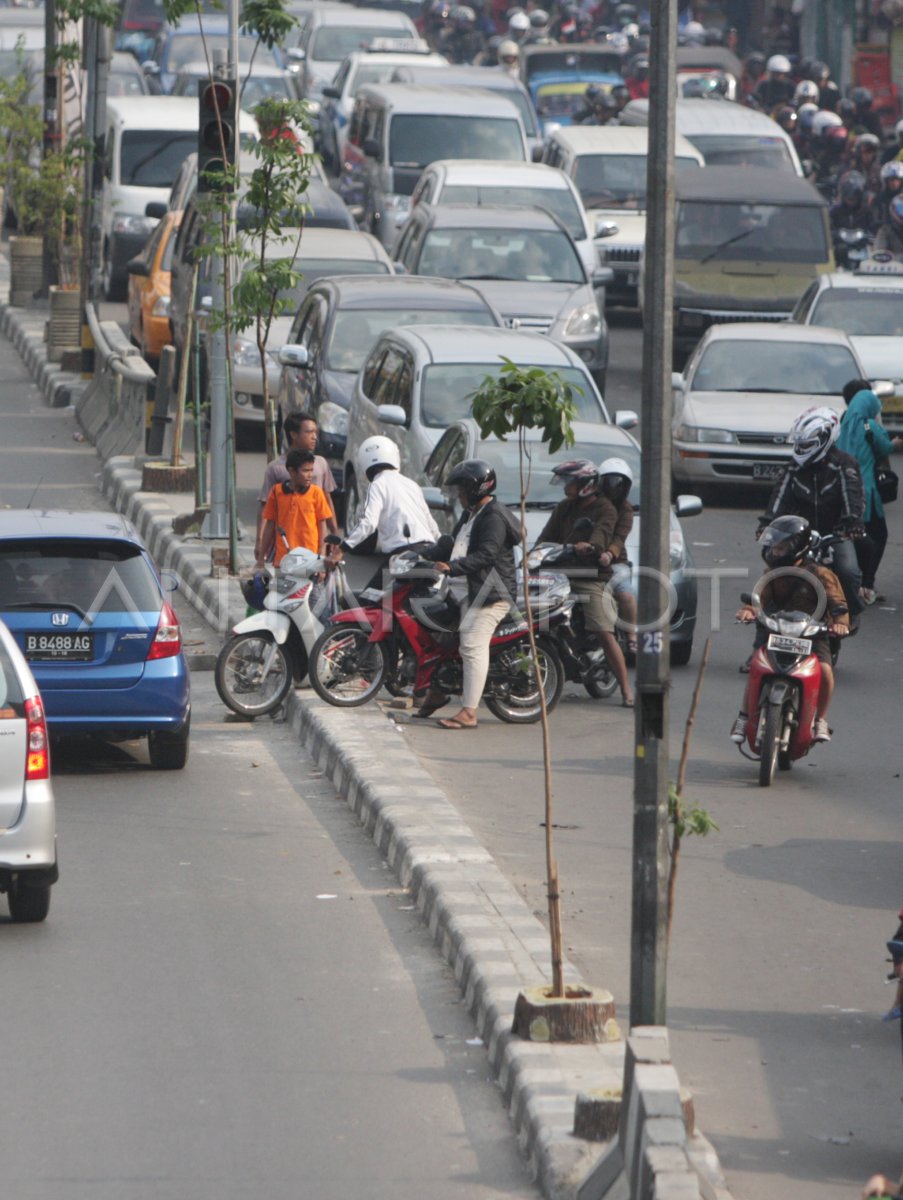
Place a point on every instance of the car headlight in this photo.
(332, 418)
(245, 353)
(162, 306)
(694, 433)
(133, 223)
(678, 551)
(584, 322)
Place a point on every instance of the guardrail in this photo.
(113, 409)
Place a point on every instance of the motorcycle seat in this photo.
(441, 613)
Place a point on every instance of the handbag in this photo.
(887, 481)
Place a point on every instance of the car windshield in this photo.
(417, 140)
(801, 368)
(777, 233)
(263, 87)
(615, 180)
(125, 83)
(184, 48)
(557, 200)
(355, 330)
(536, 256)
(560, 99)
(152, 157)
(323, 268)
(91, 575)
(544, 490)
(728, 150)
(447, 388)
(861, 312)
(332, 43)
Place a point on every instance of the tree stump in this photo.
(584, 1014)
(162, 477)
(597, 1114)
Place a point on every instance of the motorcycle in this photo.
(415, 622)
(582, 657)
(851, 247)
(270, 649)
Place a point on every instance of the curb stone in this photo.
(480, 924)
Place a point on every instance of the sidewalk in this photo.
(478, 921)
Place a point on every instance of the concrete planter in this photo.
(64, 329)
(25, 261)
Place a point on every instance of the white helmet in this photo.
(778, 64)
(377, 452)
(898, 130)
(823, 120)
(615, 466)
(518, 22)
(807, 92)
(694, 34)
(508, 49)
(813, 433)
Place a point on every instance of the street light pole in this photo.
(648, 957)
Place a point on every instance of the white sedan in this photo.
(741, 391)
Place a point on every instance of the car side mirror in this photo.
(883, 388)
(603, 277)
(400, 268)
(536, 153)
(436, 499)
(688, 506)
(293, 356)
(372, 148)
(391, 414)
(331, 92)
(296, 54)
(678, 383)
(607, 229)
(626, 418)
(155, 209)
(150, 67)
(137, 266)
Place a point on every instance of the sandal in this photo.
(454, 723)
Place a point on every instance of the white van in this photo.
(147, 140)
(726, 134)
(607, 164)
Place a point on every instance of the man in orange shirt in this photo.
(296, 512)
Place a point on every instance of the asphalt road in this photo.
(777, 962)
(232, 996)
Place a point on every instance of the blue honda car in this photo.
(86, 606)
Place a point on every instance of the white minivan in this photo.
(147, 140)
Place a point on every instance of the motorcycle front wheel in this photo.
(519, 704)
(346, 669)
(771, 741)
(253, 674)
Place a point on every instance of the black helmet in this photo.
(475, 477)
(787, 118)
(861, 97)
(785, 541)
(577, 470)
(620, 93)
(852, 189)
(846, 109)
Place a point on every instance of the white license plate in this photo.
(49, 647)
(789, 645)
(767, 470)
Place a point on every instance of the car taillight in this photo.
(37, 762)
(168, 638)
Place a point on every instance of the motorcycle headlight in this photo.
(584, 322)
(245, 353)
(161, 307)
(132, 223)
(332, 418)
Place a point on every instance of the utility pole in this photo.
(648, 956)
(52, 122)
(97, 69)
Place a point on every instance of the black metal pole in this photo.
(52, 123)
(648, 959)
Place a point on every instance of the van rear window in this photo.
(418, 140)
(729, 150)
(152, 157)
(710, 230)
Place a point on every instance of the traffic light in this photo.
(217, 131)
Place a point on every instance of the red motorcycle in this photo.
(785, 677)
(410, 631)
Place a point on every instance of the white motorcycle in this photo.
(268, 651)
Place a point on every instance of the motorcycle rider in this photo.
(509, 57)
(777, 87)
(599, 107)
(785, 542)
(852, 208)
(890, 235)
(615, 482)
(891, 183)
(482, 555)
(461, 41)
(823, 484)
(598, 551)
(394, 510)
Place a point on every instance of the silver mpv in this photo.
(28, 864)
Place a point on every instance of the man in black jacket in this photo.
(824, 485)
(483, 555)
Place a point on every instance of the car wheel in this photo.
(168, 751)
(680, 653)
(28, 902)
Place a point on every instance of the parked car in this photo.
(84, 602)
(373, 65)
(515, 185)
(398, 129)
(607, 165)
(596, 442)
(322, 253)
(336, 327)
(742, 390)
(868, 307)
(149, 290)
(500, 250)
(28, 861)
(418, 380)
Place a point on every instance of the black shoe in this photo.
(744, 669)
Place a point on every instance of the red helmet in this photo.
(577, 470)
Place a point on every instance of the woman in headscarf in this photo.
(863, 436)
